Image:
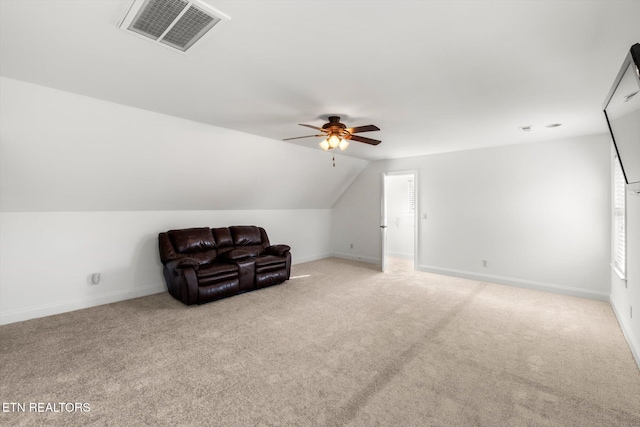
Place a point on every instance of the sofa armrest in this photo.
(184, 263)
(278, 250)
(182, 279)
(235, 254)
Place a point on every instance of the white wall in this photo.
(400, 230)
(86, 186)
(48, 257)
(538, 213)
(626, 295)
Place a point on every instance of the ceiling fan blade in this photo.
(313, 127)
(300, 137)
(367, 128)
(365, 140)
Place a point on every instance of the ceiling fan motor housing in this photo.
(334, 127)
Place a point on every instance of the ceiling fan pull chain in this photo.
(334, 160)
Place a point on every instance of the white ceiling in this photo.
(435, 76)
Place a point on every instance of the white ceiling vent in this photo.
(177, 24)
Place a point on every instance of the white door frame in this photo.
(383, 217)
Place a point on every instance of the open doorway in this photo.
(398, 222)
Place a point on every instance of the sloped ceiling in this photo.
(65, 152)
(433, 75)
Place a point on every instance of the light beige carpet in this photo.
(345, 346)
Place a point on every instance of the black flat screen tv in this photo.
(622, 111)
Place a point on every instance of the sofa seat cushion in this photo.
(204, 257)
(270, 263)
(217, 270)
(252, 250)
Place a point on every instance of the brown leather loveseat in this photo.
(205, 264)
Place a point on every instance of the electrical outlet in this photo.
(95, 278)
(484, 262)
(351, 245)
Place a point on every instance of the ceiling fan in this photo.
(337, 135)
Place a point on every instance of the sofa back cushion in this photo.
(247, 238)
(192, 240)
(245, 235)
(205, 244)
(223, 237)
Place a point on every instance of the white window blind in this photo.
(619, 215)
(411, 196)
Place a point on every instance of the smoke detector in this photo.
(177, 24)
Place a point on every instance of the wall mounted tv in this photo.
(622, 110)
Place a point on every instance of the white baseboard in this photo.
(78, 303)
(529, 284)
(356, 257)
(633, 344)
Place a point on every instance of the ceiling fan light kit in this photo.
(337, 135)
(334, 141)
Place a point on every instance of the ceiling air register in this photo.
(177, 24)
